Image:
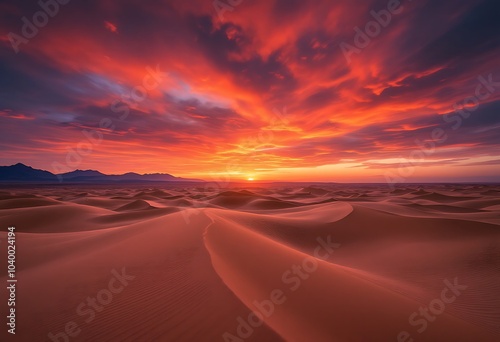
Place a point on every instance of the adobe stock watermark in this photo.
(462, 111)
(262, 138)
(425, 315)
(293, 277)
(89, 308)
(222, 6)
(93, 138)
(40, 19)
(372, 29)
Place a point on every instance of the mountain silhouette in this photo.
(20, 173)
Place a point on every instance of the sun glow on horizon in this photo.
(256, 98)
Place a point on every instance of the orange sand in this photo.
(201, 259)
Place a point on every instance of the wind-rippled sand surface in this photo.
(202, 256)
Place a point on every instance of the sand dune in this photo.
(318, 263)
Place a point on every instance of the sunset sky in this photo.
(262, 89)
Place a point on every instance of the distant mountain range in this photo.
(20, 173)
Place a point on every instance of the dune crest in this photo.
(318, 263)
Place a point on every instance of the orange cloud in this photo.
(265, 92)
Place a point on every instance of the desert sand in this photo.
(322, 262)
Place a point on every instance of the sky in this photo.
(286, 90)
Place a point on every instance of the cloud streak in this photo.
(227, 77)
